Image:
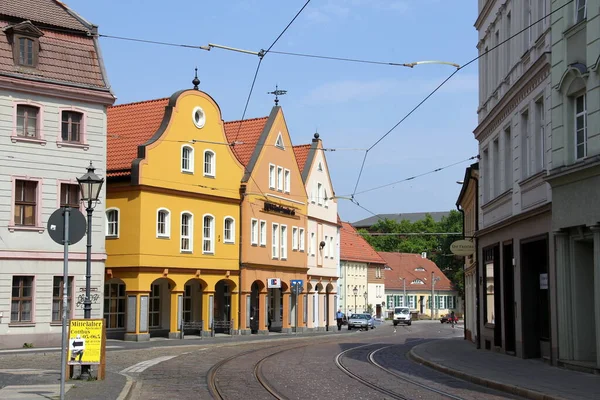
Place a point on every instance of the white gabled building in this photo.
(322, 236)
(53, 98)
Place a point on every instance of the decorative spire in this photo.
(277, 93)
(196, 81)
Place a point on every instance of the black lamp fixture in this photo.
(90, 185)
(322, 244)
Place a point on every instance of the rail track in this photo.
(379, 388)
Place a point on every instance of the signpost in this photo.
(462, 248)
(297, 288)
(65, 226)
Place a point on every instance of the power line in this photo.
(446, 80)
(354, 60)
(248, 99)
(189, 46)
(286, 28)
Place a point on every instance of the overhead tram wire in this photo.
(446, 80)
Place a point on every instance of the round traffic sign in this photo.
(56, 226)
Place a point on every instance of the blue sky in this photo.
(351, 105)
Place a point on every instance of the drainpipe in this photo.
(477, 274)
(241, 296)
(464, 276)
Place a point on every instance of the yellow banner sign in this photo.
(85, 341)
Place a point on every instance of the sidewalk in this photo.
(528, 378)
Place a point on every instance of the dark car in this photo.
(448, 319)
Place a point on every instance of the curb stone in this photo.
(519, 391)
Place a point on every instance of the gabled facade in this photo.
(513, 132)
(468, 206)
(357, 257)
(322, 235)
(416, 274)
(273, 220)
(575, 180)
(172, 218)
(53, 124)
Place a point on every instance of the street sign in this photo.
(56, 226)
(295, 282)
(274, 283)
(462, 248)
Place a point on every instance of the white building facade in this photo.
(52, 124)
(515, 253)
(322, 236)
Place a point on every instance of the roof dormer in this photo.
(24, 38)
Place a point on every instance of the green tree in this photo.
(437, 247)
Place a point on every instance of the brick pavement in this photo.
(524, 377)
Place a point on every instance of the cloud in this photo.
(359, 90)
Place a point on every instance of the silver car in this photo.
(361, 321)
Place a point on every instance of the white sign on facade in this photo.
(543, 281)
(274, 283)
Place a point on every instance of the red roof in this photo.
(63, 57)
(130, 125)
(355, 248)
(301, 152)
(407, 265)
(247, 132)
(51, 12)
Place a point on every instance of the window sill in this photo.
(209, 176)
(183, 171)
(21, 324)
(263, 245)
(208, 253)
(254, 244)
(111, 237)
(83, 146)
(186, 251)
(228, 242)
(24, 139)
(13, 228)
(163, 237)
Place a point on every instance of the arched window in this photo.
(163, 223)
(208, 234)
(187, 159)
(187, 232)
(112, 222)
(417, 282)
(229, 230)
(209, 163)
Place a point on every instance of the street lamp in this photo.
(365, 295)
(90, 185)
(355, 291)
(404, 302)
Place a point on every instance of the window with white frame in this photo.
(284, 242)
(331, 247)
(580, 10)
(580, 127)
(325, 198)
(539, 135)
(112, 222)
(187, 159)
(313, 243)
(417, 282)
(301, 239)
(271, 176)
(286, 181)
(254, 231)
(294, 238)
(186, 244)
(325, 249)
(313, 193)
(279, 141)
(280, 178)
(163, 223)
(275, 241)
(208, 234)
(229, 230)
(527, 143)
(319, 193)
(209, 163)
(263, 233)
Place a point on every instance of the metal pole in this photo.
(432, 293)
(65, 305)
(87, 303)
(297, 289)
(405, 301)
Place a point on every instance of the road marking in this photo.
(27, 371)
(142, 366)
(28, 392)
(33, 349)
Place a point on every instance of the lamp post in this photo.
(90, 185)
(366, 295)
(404, 302)
(355, 291)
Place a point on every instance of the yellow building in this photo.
(172, 216)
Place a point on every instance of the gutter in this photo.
(464, 275)
(477, 274)
(241, 296)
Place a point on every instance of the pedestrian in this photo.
(340, 318)
(452, 318)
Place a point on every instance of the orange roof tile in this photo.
(355, 248)
(129, 125)
(404, 265)
(248, 132)
(301, 152)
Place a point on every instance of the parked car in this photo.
(402, 316)
(361, 321)
(448, 319)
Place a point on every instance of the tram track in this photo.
(379, 388)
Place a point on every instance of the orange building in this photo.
(272, 225)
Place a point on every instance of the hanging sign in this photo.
(462, 248)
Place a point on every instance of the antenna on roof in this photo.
(277, 93)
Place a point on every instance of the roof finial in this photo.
(196, 81)
(277, 93)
